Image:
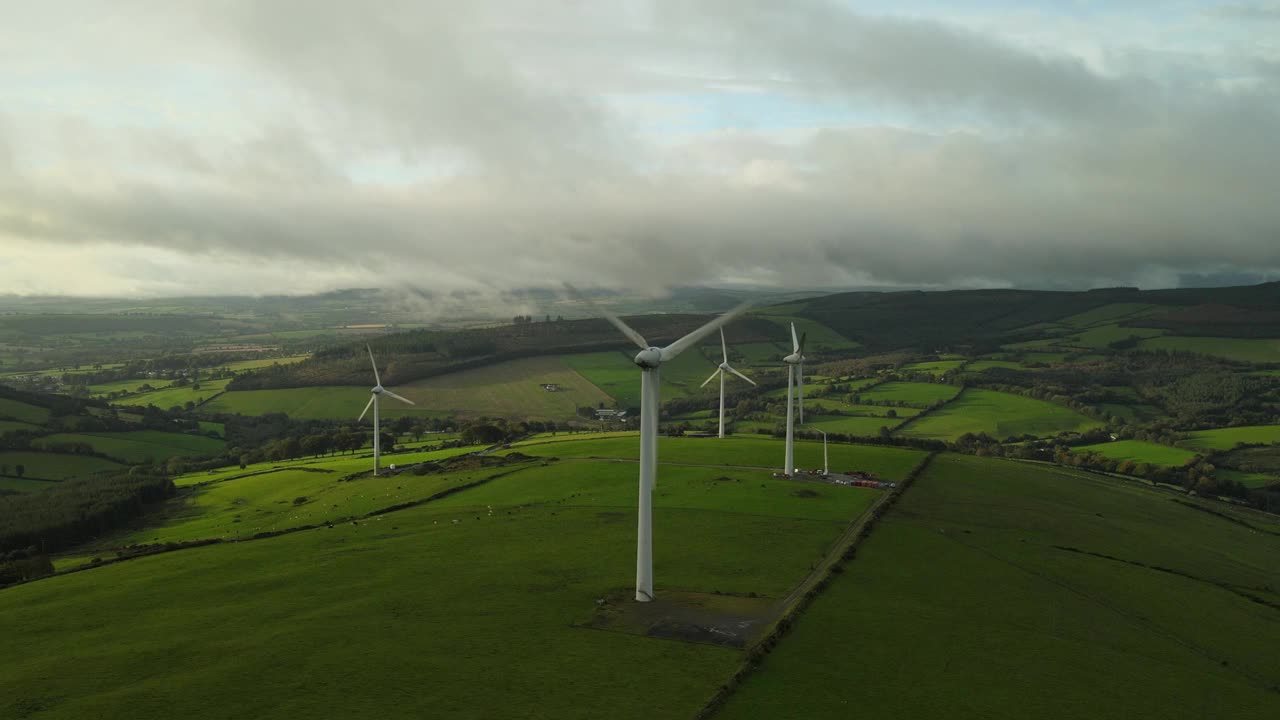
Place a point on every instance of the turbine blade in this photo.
(803, 336)
(614, 320)
(401, 399)
(795, 341)
(366, 409)
(374, 364)
(713, 377)
(723, 347)
(744, 377)
(692, 338)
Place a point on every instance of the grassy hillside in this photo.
(1242, 349)
(1004, 619)
(998, 414)
(50, 466)
(11, 409)
(511, 389)
(142, 445)
(462, 600)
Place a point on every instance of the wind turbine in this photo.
(650, 359)
(377, 391)
(794, 360)
(826, 467)
(724, 366)
(799, 348)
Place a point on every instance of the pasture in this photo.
(1012, 616)
(981, 365)
(1240, 349)
(863, 426)
(510, 389)
(1104, 335)
(935, 368)
(22, 412)
(615, 374)
(1227, 438)
(461, 599)
(909, 393)
(174, 396)
(1141, 452)
(140, 445)
(11, 425)
(54, 466)
(748, 451)
(1105, 314)
(22, 484)
(999, 415)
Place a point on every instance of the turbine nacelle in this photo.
(793, 359)
(377, 390)
(649, 358)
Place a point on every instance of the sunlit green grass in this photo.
(1141, 452)
(998, 414)
(962, 604)
(1227, 438)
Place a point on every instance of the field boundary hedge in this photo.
(765, 645)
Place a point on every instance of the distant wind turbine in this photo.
(650, 359)
(724, 367)
(377, 391)
(794, 361)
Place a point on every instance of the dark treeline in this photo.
(73, 511)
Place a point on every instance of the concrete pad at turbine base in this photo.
(705, 618)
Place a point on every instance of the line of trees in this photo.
(73, 511)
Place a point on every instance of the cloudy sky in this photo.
(241, 146)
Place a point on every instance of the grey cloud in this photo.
(1085, 179)
(1251, 12)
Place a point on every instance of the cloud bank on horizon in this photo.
(246, 147)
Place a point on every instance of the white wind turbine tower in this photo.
(826, 466)
(724, 367)
(794, 361)
(650, 359)
(377, 391)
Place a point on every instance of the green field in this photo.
(1227, 438)
(141, 445)
(998, 414)
(935, 368)
(52, 466)
(739, 450)
(244, 365)
(14, 410)
(168, 397)
(125, 386)
(1108, 314)
(461, 603)
(980, 365)
(1141, 452)
(818, 337)
(1104, 335)
(510, 389)
(11, 425)
(1241, 349)
(23, 484)
(1248, 479)
(616, 374)
(1001, 622)
(851, 425)
(918, 394)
